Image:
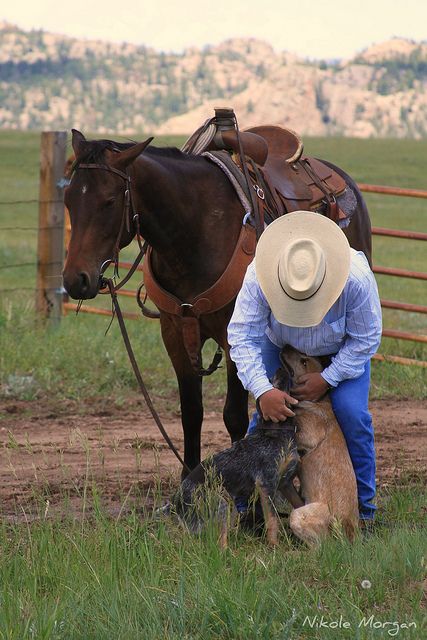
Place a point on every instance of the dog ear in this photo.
(275, 380)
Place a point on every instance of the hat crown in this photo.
(302, 268)
(302, 263)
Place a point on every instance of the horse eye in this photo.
(110, 202)
(303, 362)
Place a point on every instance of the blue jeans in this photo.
(350, 405)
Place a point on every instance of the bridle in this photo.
(129, 217)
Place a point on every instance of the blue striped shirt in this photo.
(351, 329)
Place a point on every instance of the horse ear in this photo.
(125, 158)
(78, 141)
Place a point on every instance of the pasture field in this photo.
(82, 467)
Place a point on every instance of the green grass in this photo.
(71, 361)
(137, 577)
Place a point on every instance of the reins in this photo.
(109, 287)
(112, 290)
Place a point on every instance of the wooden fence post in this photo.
(50, 249)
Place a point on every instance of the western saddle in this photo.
(284, 178)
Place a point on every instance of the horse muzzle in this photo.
(81, 286)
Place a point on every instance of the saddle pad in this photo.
(225, 162)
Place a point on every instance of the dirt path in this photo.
(49, 453)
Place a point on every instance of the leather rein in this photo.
(109, 287)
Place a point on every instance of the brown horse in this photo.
(191, 216)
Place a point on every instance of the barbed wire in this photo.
(28, 264)
(56, 226)
(19, 264)
(33, 201)
(18, 289)
(11, 202)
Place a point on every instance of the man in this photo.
(306, 287)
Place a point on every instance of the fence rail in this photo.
(392, 191)
(397, 233)
(403, 306)
(400, 273)
(71, 306)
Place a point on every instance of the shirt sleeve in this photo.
(363, 332)
(246, 332)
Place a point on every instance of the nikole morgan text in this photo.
(392, 628)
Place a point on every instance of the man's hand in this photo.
(310, 386)
(273, 405)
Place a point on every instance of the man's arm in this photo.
(363, 333)
(246, 332)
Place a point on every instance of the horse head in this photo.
(99, 202)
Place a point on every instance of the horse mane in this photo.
(94, 151)
(169, 152)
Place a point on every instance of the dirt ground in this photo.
(47, 453)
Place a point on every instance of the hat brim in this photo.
(284, 230)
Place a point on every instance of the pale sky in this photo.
(311, 28)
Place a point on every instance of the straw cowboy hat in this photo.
(302, 263)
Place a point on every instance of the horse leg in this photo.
(190, 391)
(235, 413)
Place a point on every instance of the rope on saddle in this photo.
(201, 138)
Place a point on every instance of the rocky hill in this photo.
(50, 81)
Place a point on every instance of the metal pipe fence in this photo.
(399, 273)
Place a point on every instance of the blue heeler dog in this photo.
(258, 466)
